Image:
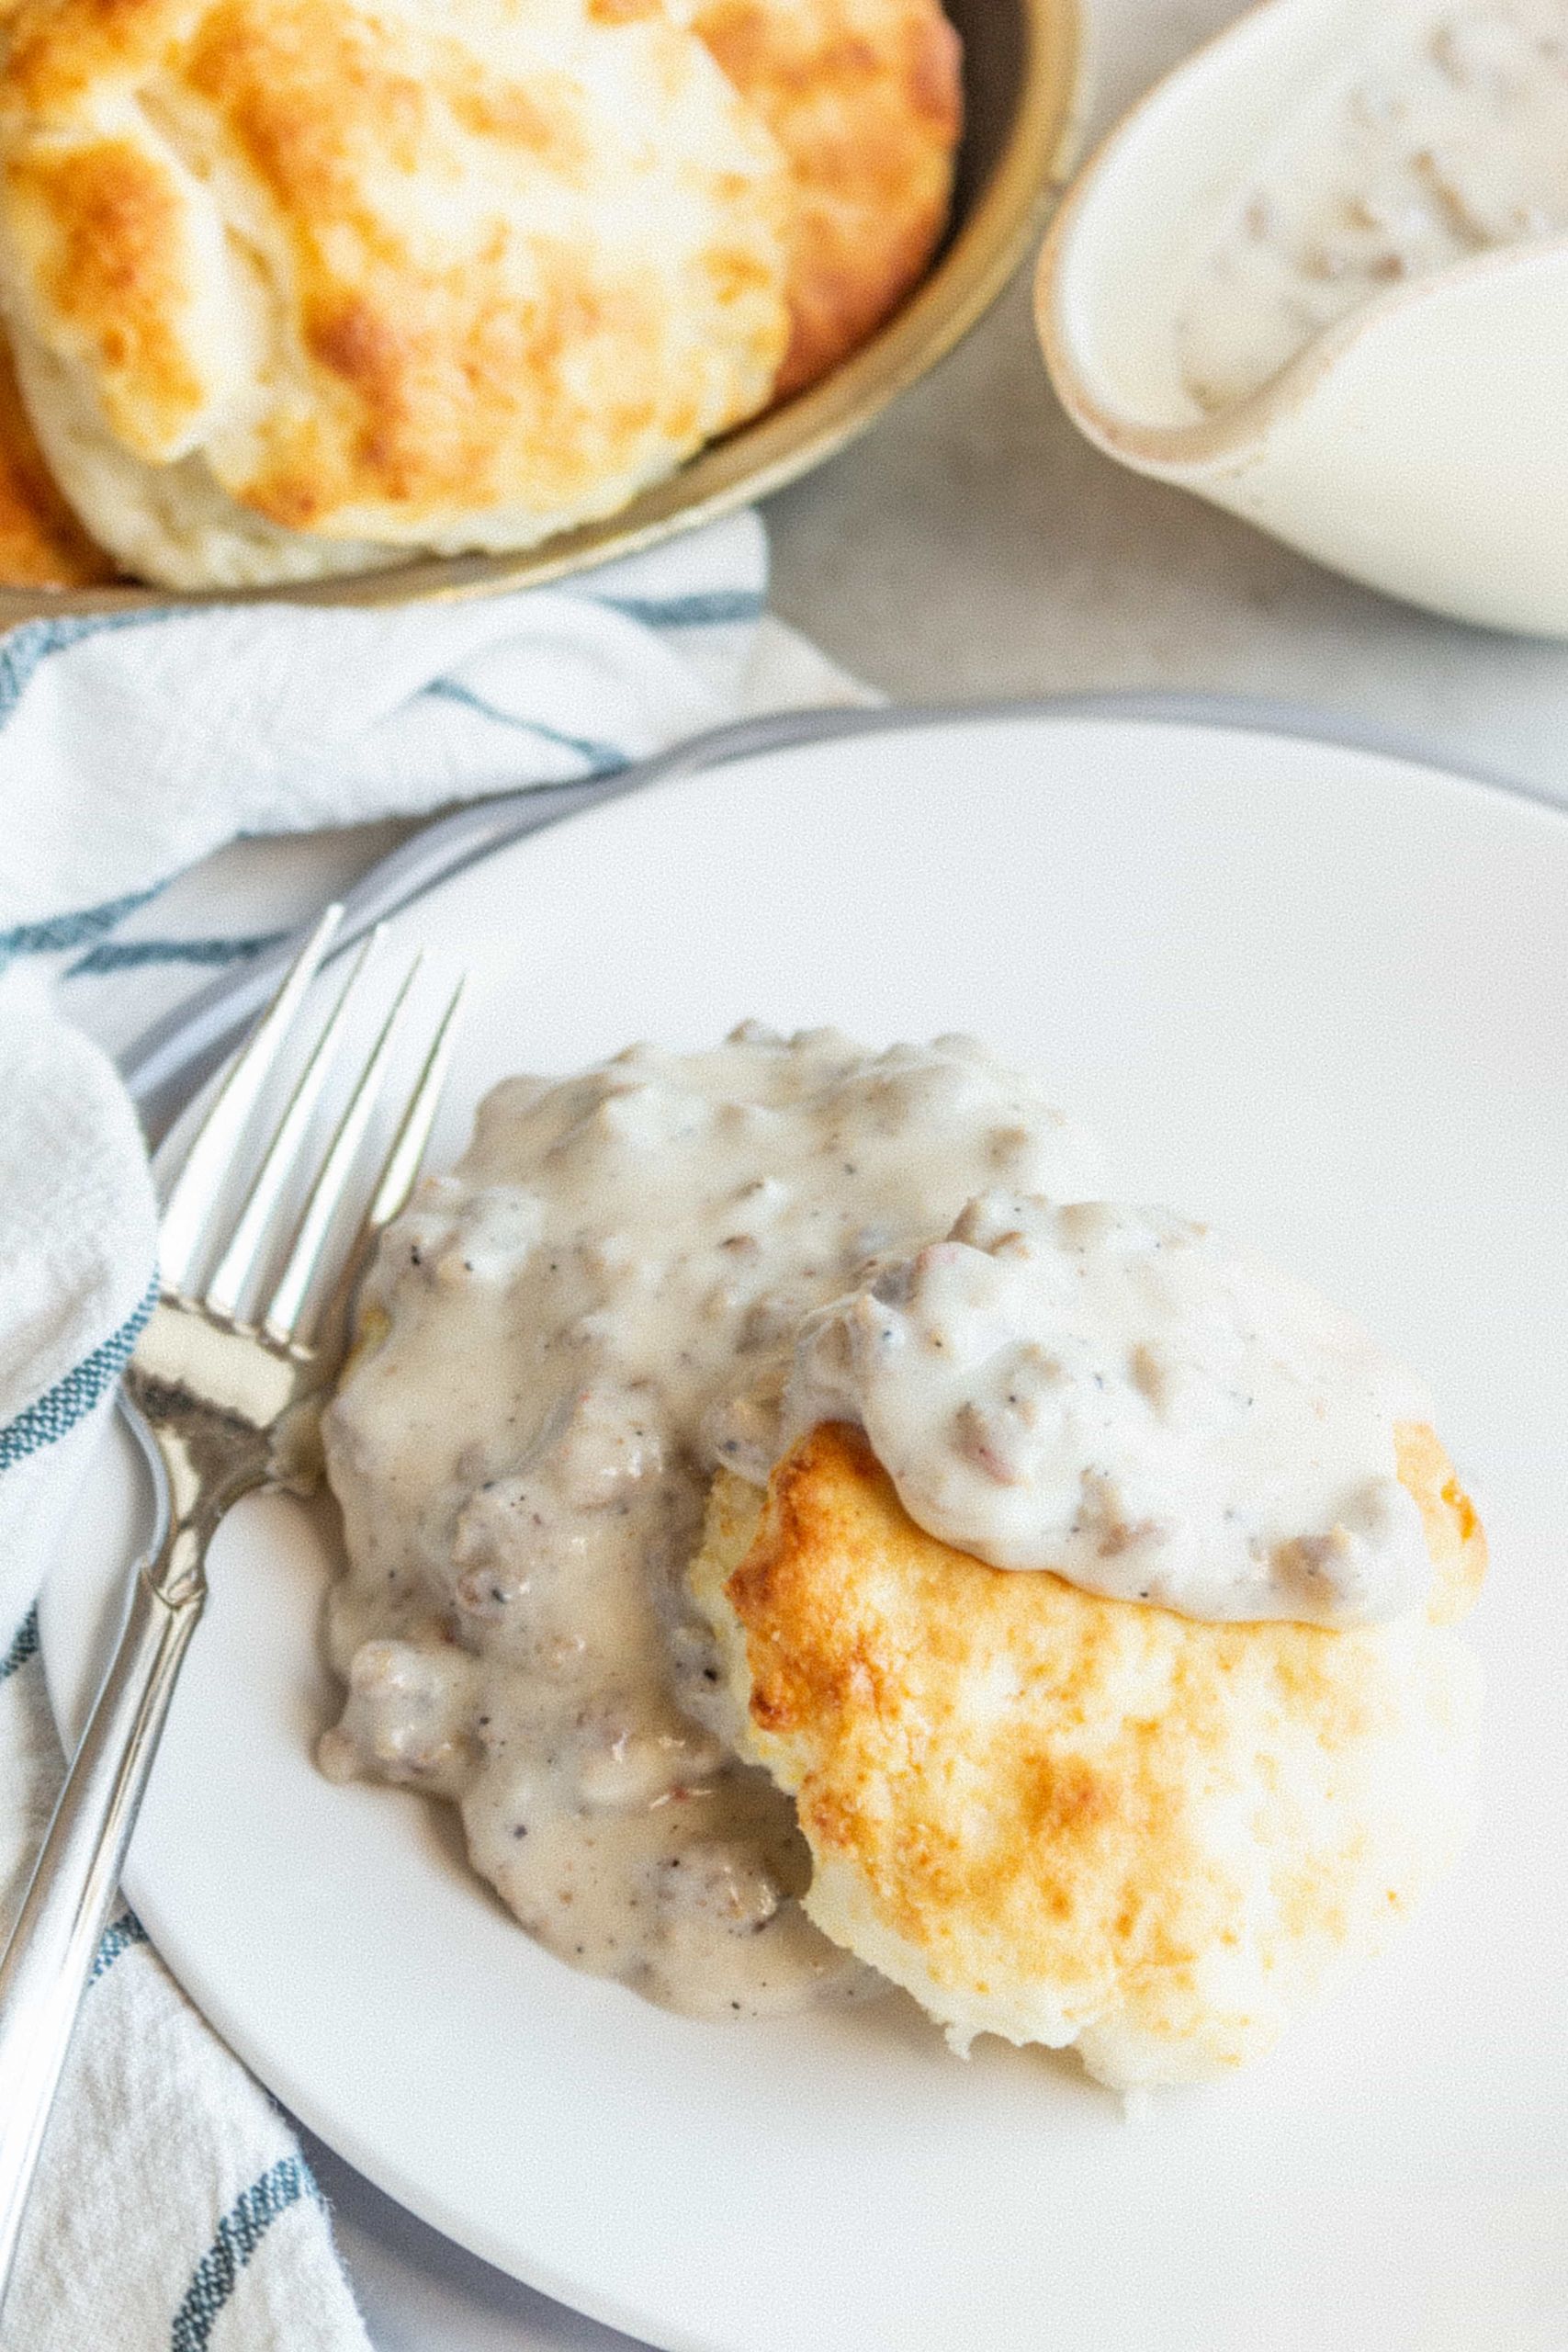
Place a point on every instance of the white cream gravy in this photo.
(1444, 135)
(674, 1261)
(522, 1457)
(1109, 1393)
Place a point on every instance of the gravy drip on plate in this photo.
(1109, 1393)
(1444, 136)
(558, 1342)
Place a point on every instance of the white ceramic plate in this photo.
(1318, 994)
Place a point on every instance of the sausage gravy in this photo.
(674, 1262)
(558, 1342)
(1444, 135)
(1109, 1393)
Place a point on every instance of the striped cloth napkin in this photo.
(173, 2209)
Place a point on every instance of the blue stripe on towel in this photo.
(75, 1396)
(24, 649)
(711, 609)
(117, 1937)
(600, 755)
(54, 932)
(239, 2233)
(128, 954)
(24, 1646)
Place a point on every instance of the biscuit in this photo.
(1080, 1821)
(864, 98)
(41, 543)
(296, 284)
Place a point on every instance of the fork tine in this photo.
(399, 1168)
(287, 1301)
(401, 1164)
(227, 1286)
(210, 1156)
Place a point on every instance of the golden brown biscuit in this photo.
(1081, 1821)
(297, 281)
(41, 543)
(864, 98)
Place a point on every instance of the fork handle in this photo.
(48, 1959)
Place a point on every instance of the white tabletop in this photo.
(974, 545)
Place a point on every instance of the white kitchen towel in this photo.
(174, 2210)
(131, 745)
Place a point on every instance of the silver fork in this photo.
(225, 1406)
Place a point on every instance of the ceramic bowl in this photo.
(1419, 444)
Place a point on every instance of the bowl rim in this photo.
(1230, 439)
(1035, 157)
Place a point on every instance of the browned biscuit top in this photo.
(864, 97)
(387, 264)
(1064, 1816)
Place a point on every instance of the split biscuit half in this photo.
(1078, 1821)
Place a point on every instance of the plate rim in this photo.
(162, 1066)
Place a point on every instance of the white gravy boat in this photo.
(1420, 444)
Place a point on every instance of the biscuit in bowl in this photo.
(1083, 1821)
(297, 285)
(41, 543)
(865, 98)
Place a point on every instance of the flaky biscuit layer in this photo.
(292, 280)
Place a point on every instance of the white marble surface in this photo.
(974, 546)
